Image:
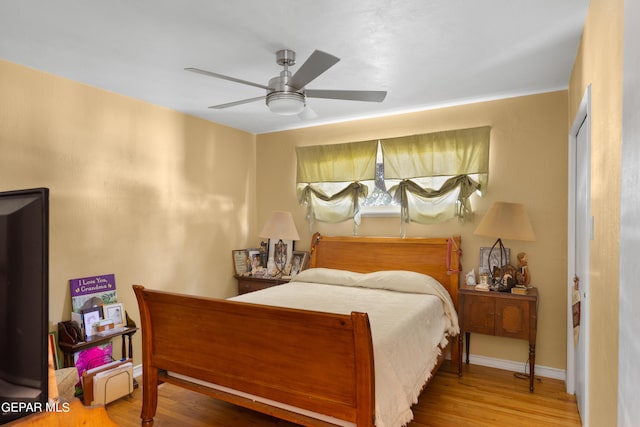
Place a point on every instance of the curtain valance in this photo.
(354, 161)
(449, 153)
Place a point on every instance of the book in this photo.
(87, 292)
(520, 290)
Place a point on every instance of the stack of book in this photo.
(520, 290)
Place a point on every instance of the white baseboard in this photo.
(137, 371)
(510, 365)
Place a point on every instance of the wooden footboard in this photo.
(320, 362)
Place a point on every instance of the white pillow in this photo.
(401, 281)
(394, 280)
(328, 276)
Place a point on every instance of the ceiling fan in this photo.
(286, 93)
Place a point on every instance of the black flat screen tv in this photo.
(24, 302)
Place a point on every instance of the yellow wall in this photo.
(154, 196)
(528, 164)
(599, 63)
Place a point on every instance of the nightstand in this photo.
(500, 314)
(250, 283)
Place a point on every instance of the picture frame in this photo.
(240, 261)
(299, 262)
(484, 279)
(89, 317)
(487, 265)
(114, 312)
(254, 259)
(264, 252)
(281, 253)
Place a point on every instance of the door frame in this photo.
(582, 117)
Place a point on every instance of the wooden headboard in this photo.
(437, 257)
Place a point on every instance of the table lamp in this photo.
(505, 221)
(280, 227)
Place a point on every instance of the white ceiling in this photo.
(424, 53)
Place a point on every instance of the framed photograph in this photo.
(264, 253)
(281, 251)
(89, 317)
(255, 258)
(299, 262)
(487, 265)
(240, 261)
(484, 279)
(114, 312)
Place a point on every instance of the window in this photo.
(380, 201)
(430, 176)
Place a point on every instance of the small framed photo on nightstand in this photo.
(240, 261)
(90, 316)
(281, 252)
(255, 259)
(299, 262)
(487, 265)
(484, 279)
(114, 312)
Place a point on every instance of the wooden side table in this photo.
(250, 283)
(500, 314)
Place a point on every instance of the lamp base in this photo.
(502, 277)
(494, 270)
(280, 258)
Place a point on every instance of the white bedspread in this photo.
(410, 315)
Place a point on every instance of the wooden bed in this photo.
(320, 362)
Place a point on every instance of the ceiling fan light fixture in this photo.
(285, 103)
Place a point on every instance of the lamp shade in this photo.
(285, 103)
(507, 221)
(280, 225)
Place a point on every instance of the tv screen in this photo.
(24, 302)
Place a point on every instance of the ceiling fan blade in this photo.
(307, 113)
(222, 76)
(316, 64)
(348, 95)
(233, 104)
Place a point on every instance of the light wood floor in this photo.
(482, 397)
